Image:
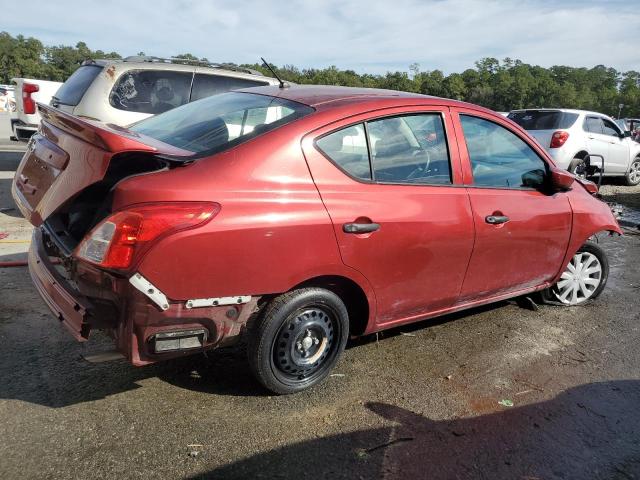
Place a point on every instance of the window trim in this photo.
(364, 122)
(474, 185)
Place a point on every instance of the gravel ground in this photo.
(627, 196)
(426, 401)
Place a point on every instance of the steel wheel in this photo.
(580, 280)
(633, 176)
(303, 344)
(297, 339)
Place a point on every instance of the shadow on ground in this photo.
(47, 368)
(586, 432)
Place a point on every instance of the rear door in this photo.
(392, 186)
(597, 141)
(522, 233)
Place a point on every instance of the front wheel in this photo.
(298, 339)
(584, 278)
(633, 175)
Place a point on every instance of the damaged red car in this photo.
(294, 218)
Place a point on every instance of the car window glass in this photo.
(348, 149)
(499, 158)
(593, 125)
(220, 122)
(543, 119)
(409, 149)
(609, 128)
(72, 91)
(206, 85)
(150, 91)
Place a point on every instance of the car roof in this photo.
(566, 110)
(328, 96)
(153, 63)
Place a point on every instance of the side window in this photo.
(206, 85)
(499, 158)
(409, 149)
(609, 128)
(593, 125)
(150, 91)
(348, 149)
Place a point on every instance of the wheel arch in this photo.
(359, 305)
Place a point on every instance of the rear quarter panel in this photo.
(272, 231)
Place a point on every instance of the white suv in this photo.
(571, 135)
(123, 92)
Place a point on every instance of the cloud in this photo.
(368, 36)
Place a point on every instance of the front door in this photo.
(522, 233)
(619, 154)
(389, 184)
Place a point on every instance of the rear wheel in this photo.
(584, 278)
(633, 175)
(298, 339)
(578, 167)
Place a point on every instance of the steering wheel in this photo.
(420, 168)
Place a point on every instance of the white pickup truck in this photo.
(28, 91)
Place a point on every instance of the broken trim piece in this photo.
(214, 302)
(146, 287)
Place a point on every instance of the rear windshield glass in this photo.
(71, 91)
(151, 91)
(222, 121)
(543, 119)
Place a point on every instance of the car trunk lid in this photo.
(67, 155)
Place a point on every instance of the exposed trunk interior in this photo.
(71, 222)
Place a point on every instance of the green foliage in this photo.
(499, 85)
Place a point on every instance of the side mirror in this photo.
(626, 134)
(561, 180)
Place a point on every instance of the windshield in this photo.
(222, 121)
(543, 119)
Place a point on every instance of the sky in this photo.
(368, 36)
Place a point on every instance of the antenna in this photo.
(282, 83)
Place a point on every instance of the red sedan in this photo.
(293, 218)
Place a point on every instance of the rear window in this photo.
(206, 85)
(543, 119)
(217, 123)
(151, 91)
(72, 91)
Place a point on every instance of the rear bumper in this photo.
(22, 131)
(71, 308)
(106, 302)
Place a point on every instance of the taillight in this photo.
(28, 103)
(115, 242)
(559, 138)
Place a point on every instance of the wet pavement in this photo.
(431, 400)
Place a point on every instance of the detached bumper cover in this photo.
(68, 305)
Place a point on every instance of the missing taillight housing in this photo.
(115, 242)
(559, 138)
(28, 103)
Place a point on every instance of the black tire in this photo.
(550, 295)
(578, 167)
(632, 177)
(297, 339)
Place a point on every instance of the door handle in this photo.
(360, 227)
(496, 219)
